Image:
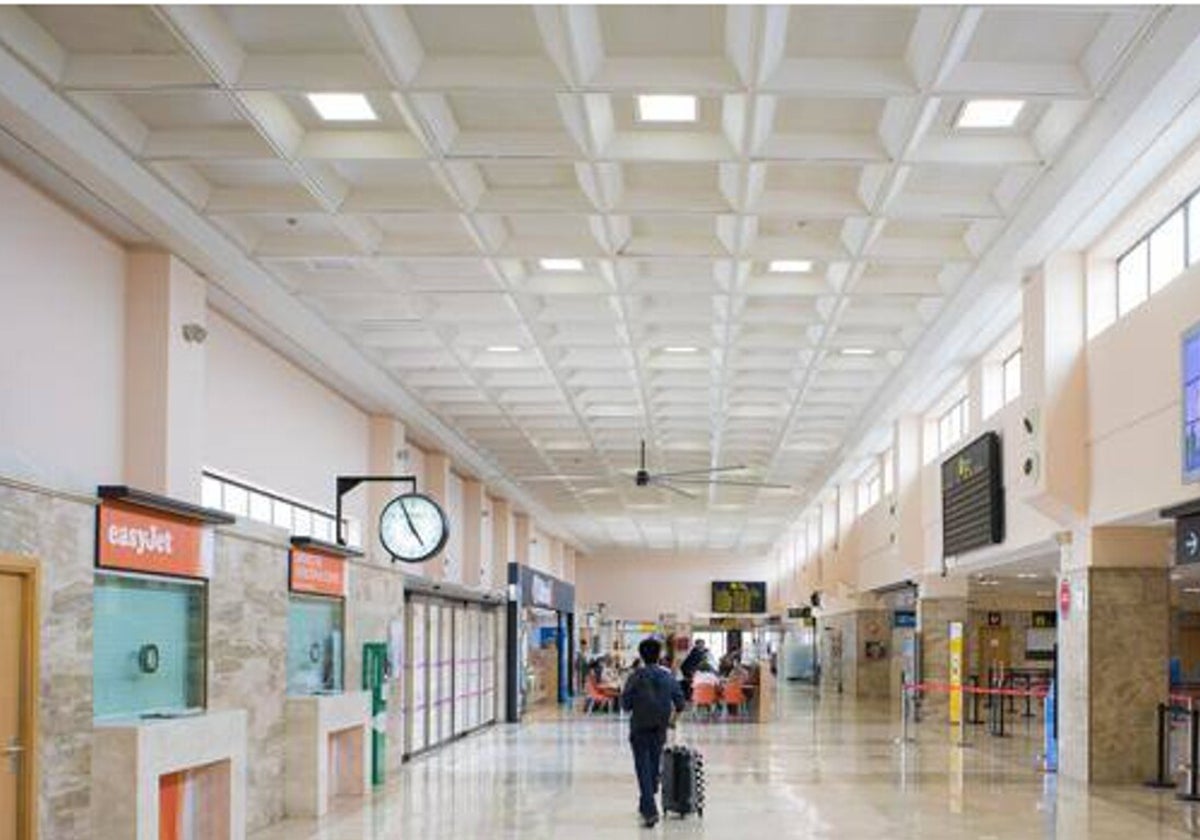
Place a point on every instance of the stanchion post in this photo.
(1163, 772)
(973, 681)
(1192, 792)
(962, 715)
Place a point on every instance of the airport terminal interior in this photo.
(376, 379)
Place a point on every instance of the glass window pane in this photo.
(136, 619)
(322, 529)
(1012, 377)
(1132, 288)
(260, 507)
(210, 492)
(237, 500)
(303, 523)
(314, 653)
(1166, 251)
(1193, 234)
(283, 515)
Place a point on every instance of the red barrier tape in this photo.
(969, 689)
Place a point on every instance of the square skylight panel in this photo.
(666, 108)
(342, 107)
(560, 264)
(990, 113)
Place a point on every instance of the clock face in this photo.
(413, 528)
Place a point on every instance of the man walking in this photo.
(696, 657)
(651, 696)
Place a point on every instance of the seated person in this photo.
(705, 675)
(729, 661)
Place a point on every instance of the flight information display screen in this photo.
(1191, 404)
(739, 596)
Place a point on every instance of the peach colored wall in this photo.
(270, 423)
(1134, 401)
(641, 587)
(62, 287)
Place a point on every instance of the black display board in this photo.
(973, 497)
(739, 596)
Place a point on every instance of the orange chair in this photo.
(595, 699)
(735, 696)
(704, 696)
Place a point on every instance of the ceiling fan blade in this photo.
(704, 471)
(718, 481)
(680, 491)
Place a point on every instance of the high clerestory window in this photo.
(952, 425)
(1160, 256)
(1010, 375)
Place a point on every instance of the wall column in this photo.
(1114, 642)
(473, 524)
(437, 487)
(165, 315)
(387, 455)
(941, 601)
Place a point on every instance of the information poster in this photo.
(956, 671)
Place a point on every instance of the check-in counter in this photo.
(328, 750)
(185, 776)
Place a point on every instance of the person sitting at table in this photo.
(729, 661)
(705, 675)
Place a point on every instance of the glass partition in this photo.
(148, 645)
(314, 657)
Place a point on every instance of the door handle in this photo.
(13, 751)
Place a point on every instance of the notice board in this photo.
(739, 596)
(973, 497)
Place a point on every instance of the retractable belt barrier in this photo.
(1166, 714)
(995, 710)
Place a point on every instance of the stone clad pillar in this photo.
(1114, 643)
(437, 486)
(941, 601)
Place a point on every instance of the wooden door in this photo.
(13, 762)
(995, 649)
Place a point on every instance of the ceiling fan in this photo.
(676, 482)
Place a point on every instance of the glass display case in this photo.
(315, 634)
(149, 645)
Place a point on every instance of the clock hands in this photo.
(411, 526)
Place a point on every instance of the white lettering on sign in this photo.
(317, 574)
(542, 591)
(152, 540)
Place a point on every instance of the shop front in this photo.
(541, 632)
(450, 662)
(163, 765)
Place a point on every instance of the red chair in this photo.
(735, 696)
(704, 696)
(595, 698)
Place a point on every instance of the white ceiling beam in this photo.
(205, 144)
(310, 71)
(132, 73)
(1015, 79)
(26, 38)
(819, 77)
(358, 145)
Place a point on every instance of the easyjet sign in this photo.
(316, 573)
(138, 540)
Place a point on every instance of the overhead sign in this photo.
(541, 591)
(1187, 540)
(1043, 619)
(904, 618)
(138, 540)
(739, 596)
(973, 497)
(537, 589)
(317, 573)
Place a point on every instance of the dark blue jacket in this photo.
(651, 694)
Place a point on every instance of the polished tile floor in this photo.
(829, 768)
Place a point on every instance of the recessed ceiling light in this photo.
(990, 113)
(670, 107)
(680, 349)
(504, 348)
(790, 266)
(560, 264)
(857, 351)
(1191, 590)
(1028, 575)
(342, 107)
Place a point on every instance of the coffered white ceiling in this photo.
(508, 135)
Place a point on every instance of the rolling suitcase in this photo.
(682, 780)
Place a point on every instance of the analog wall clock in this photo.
(413, 528)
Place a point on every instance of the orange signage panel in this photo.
(138, 540)
(316, 573)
